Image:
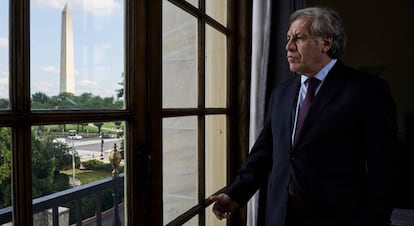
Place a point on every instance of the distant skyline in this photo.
(98, 29)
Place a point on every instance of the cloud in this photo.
(4, 81)
(56, 4)
(4, 42)
(99, 7)
(95, 7)
(4, 72)
(107, 46)
(88, 83)
(88, 86)
(45, 87)
(4, 91)
(51, 70)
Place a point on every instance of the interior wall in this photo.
(381, 40)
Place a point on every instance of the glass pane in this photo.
(217, 9)
(179, 47)
(4, 55)
(66, 156)
(216, 153)
(5, 177)
(180, 172)
(77, 54)
(192, 222)
(216, 68)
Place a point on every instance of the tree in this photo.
(48, 159)
(99, 125)
(4, 103)
(70, 101)
(120, 92)
(40, 97)
(5, 168)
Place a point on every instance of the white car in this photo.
(75, 137)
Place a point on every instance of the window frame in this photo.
(143, 107)
(238, 32)
(201, 111)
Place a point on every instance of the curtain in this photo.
(269, 67)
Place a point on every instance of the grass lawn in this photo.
(87, 176)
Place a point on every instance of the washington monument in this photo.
(67, 70)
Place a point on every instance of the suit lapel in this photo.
(284, 111)
(291, 103)
(330, 88)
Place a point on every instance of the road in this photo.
(89, 148)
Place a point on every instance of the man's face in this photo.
(306, 54)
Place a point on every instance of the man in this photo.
(332, 166)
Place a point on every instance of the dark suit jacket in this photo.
(341, 162)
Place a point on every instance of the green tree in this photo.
(4, 103)
(48, 159)
(120, 92)
(5, 168)
(65, 101)
(40, 97)
(99, 125)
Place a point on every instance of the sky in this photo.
(98, 35)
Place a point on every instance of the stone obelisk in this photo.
(67, 70)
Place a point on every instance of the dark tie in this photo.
(303, 111)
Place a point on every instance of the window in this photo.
(82, 55)
(153, 79)
(66, 114)
(195, 108)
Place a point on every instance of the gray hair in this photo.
(326, 22)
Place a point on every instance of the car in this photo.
(106, 136)
(75, 137)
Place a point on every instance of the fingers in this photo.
(222, 206)
(213, 198)
(221, 215)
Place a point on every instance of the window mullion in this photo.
(201, 105)
(20, 107)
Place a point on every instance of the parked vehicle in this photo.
(107, 136)
(73, 135)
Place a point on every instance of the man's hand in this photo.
(223, 205)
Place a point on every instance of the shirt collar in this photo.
(321, 75)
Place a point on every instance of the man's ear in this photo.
(327, 44)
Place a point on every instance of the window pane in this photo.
(4, 55)
(77, 54)
(179, 46)
(180, 170)
(216, 68)
(217, 9)
(216, 153)
(192, 222)
(5, 176)
(73, 156)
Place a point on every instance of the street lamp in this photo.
(73, 164)
(115, 159)
(102, 143)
